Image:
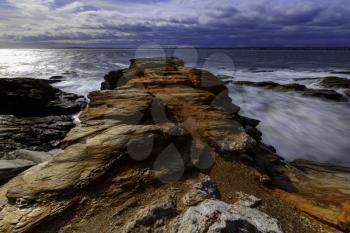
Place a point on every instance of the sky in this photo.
(172, 23)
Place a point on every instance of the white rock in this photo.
(214, 216)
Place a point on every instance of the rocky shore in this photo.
(162, 149)
(34, 118)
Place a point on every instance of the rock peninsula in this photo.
(162, 148)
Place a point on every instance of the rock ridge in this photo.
(148, 155)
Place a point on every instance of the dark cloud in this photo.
(210, 23)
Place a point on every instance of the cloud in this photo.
(212, 23)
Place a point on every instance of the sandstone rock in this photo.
(216, 216)
(109, 177)
(328, 94)
(320, 190)
(10, 168)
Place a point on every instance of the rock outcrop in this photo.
(136, 164)
(323, 93)
(335, 82)
(35, 97)
(34, 116)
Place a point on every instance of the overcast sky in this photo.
(204, 23)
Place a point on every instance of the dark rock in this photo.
(347, 92)
(33, 133)
(341, 72)
(328, 94)
(35, 97)
(335, 82)
(56, 79)
(114, 79)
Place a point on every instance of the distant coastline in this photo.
(202, 48)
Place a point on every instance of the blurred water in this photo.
(299, 127)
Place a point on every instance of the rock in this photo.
(247, 200)
(335, 82)
(35, 97)
(347, 92)
(10, 168)
(217, 216)
(328, 94)
(341, 72)
(320, 190)
(204, 190)
(56, 79)
(154, 213)
(34, 156)
(32, 133)
(109, 176)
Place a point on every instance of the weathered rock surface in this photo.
(133, 164)
(324, 93)
(32, 133)
(217, 216)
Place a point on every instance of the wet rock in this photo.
(328, 94)
(10, 168)
(347, 92)
(35, 97)
(341, 72)
(216, 216)
(335, 82)
(32, 133)
(56, 79)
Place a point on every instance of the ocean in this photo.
(299, 127)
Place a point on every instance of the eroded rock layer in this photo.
(134, 164)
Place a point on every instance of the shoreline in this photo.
(160, 102)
